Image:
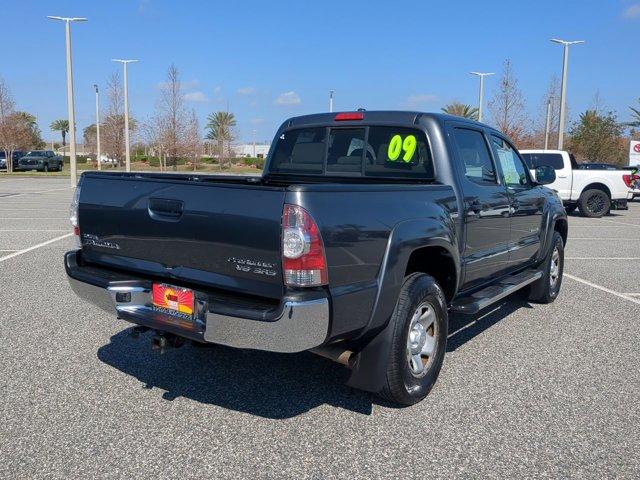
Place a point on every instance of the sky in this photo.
(272, 60)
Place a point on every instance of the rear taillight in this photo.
(304, 262)
(630, 180)
(73, 212)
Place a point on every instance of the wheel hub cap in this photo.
(421, 339)
(554, 268)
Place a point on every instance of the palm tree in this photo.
(220, 125)
(461, 110)
(61, 126)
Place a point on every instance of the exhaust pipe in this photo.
(163, 341)
(337, 354)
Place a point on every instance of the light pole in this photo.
(563, 88)
(481, 94)
(126, 114)
(331, 92)
(70, 107)
(254, 143)
(547, 125)
(97, 127)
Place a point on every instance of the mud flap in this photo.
(369, 368)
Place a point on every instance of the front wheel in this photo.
(46, 168)
(419, 340)
(594, 203)
(547, 288)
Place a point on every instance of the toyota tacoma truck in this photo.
(593, 191)
(365, 232)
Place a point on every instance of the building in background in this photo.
(259, 150)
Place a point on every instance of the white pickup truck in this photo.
(594, 192)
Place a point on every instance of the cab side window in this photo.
(514, 172)
(475, 156)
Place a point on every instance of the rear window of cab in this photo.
(369, 151)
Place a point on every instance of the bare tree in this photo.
(15, 130)
(172, 111)
(552, 98)
(507, 106)
(192, 139)
(112, 127)
(153, 131)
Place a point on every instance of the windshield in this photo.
(370, 151)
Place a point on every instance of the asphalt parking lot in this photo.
(526, 390)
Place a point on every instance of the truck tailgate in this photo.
(223, 235)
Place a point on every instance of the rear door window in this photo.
(475, 156)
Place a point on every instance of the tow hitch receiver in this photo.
(163, 341)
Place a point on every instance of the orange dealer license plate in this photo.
(173, 300)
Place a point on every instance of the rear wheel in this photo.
(547, 288)
(46, 167)
(419, 340)
(594, 203)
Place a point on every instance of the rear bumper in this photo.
(295, 325)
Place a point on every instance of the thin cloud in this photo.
(217, 89)
(196, 97)
(632, 11)
(419, 100)
(256, 121)
(288, 98)
(246, 91)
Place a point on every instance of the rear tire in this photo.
(594, 203)
(46, 168)
(547, 288)
(419, 340)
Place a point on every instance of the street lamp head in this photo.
(481, 74)
(123, 61)
(67, 19)
(565, 42)
(95, 86)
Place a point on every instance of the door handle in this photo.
(165, 209)
(562, 176)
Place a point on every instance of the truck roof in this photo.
(376, 116)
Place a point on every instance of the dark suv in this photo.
(42, 161)
(15, 156)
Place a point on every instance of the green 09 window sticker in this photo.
(406, 146)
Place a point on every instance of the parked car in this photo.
(364, 232)
(42, 161)
(105, 160)
(594, 192)
(16, 155)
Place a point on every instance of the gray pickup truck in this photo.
(365, 232)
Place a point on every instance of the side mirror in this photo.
(545, 175)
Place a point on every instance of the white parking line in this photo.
(20, 252)
(602, 258)
(34, 218)
(621, 223)
(36, 230)
(605, 238)
(632, 294)
(599, 287)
